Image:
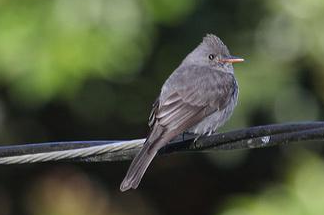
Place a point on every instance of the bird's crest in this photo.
(213, 41)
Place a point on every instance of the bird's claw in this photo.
(195, 141)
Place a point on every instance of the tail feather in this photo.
(138, 168)
(143, 159)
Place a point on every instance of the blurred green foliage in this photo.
(91, 70)
(289, 40)
(301, 193)
(49, 48)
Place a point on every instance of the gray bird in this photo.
(198, 97)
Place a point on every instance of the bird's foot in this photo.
(195, 141)
(198, 136)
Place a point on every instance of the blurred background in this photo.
(91, 69)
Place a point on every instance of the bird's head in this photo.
(212, 52)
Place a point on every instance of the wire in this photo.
(108, 150)
(74, 153)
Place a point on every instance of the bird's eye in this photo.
(211, 57)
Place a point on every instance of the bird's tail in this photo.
(138, 167)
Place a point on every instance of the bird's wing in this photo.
(187, 97)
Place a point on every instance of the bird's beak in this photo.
(232, 59)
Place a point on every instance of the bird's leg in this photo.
(183, 136)
(195, 141)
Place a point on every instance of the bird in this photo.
(198, 97)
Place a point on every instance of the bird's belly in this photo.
(214, 121)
